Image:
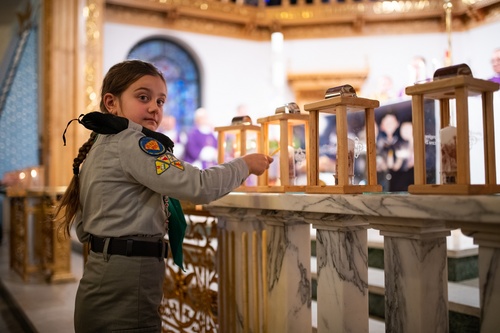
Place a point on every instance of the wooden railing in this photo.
(264, 267)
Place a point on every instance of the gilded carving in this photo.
(18, 235)
(190, 302)
(315, 20)
(92, 13)
(37, 247)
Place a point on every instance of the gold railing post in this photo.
(58, 246)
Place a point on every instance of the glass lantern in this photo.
(284, 137)
(239, 139)
(349, 133)
(455, 140)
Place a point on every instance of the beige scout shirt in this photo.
(121, 186)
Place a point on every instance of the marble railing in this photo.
(264, 257)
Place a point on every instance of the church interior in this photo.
(363, 227)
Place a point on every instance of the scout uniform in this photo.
(125, 181)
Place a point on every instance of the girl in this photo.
(119, 202)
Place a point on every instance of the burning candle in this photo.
(291, 165)
(448, 137)
(350, 162)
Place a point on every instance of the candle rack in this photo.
(454, 82)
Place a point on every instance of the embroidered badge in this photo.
(151, 146)
(164, 162)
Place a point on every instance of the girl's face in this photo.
(142, 102)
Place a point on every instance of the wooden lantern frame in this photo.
(286, 122)
(241, 131)
(341, 106)
(458, 88)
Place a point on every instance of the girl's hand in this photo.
(257, 163)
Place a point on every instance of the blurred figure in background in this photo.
(201, 144)
(168, 126)
(385, 89)
(417, 72)
(495, 63)
(241, 110)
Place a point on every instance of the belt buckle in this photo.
(128, 249)
(162, 249)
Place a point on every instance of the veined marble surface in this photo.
(414, 227)
(474, 208)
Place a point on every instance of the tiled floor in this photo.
(47, 307)
(11, 318)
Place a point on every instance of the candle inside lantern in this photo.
(448, 137)
(350, 163)
(291, 166)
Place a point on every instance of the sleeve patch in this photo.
(151, 146)
(164, 162)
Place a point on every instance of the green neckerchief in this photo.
(176, 230)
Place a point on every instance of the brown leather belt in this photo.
(130, 247)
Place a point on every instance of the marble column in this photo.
(487, 237)
(416, 274)
(264, 271)
(342, 259)
(288, 280)
(236, 269)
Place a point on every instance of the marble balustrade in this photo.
(264, 259)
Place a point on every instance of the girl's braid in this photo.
(70, 201)
(82, 153)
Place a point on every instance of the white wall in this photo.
(475, 48)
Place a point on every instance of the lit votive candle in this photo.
(350, 163)
(448, 137)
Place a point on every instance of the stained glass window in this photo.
(181, 73)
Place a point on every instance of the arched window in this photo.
(181, 73)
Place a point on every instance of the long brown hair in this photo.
(116, 81)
